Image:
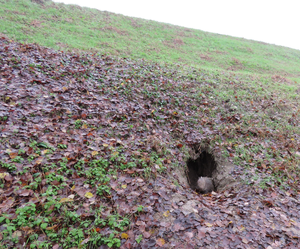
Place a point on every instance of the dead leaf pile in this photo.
(88, 141)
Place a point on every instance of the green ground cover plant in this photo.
(91, 143)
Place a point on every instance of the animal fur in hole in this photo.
(205, 185)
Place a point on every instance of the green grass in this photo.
(71, 27)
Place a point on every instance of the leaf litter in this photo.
(90, 145)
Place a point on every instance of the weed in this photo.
(9, 166)
(140, 208)
(78, 123)
(62, 146)
(17, 159)
(139, 238)
(103, 190)
(3, 118)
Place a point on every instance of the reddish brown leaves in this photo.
(61, 111)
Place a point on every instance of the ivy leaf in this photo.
(44, 225)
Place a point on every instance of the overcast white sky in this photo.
(271, 21)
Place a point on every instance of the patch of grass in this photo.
(70, 27)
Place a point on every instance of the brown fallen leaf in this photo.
(65, 200)
(25, 192)
(160, 242)
(7, 203)
(17, 234)
(51, 228)
(13, 155)
(39, 160)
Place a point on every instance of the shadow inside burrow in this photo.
(204, 165)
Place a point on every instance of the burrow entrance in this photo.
(204, 163)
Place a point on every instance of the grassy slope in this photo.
(66, 26)
(246, 115)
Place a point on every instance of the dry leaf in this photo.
(17, 234)
(44, 152)
(65, 200)
(2, 175)
(88, 195)
(94, 153)
(50, 228)
(13, 155)
(160, 242)
(124, 236)
(39, 160)
(166, 214)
